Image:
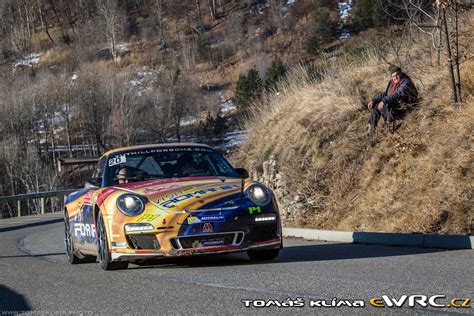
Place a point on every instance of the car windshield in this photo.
(165, 162)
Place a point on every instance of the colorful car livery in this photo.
(169, 200)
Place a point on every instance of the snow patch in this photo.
(344, 15)
(188, 121)
(227, 106)
(28, 60)
(122, 48)
(232, 139)
(144, 81)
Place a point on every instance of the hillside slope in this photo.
(309, 144)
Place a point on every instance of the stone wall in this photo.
(292, 206)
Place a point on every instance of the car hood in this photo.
(184, 193)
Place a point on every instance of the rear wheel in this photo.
(72, 258)
(105, 260)
(263, 255)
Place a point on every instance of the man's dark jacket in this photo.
(405, 92)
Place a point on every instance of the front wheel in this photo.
(263, 255)
(105, 260)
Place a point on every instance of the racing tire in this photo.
(103, 254)
(263, 255)
(72, 258)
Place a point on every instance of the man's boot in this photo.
(371, 130)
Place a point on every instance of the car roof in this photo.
(148, 146)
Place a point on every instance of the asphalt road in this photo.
(35, 276)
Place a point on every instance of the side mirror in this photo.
(243, 173)
(92, 183)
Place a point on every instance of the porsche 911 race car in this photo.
(166, 200)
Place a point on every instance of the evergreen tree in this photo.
(330, 4)
(255, 83)
(249, 87)
(379, 16)
(369, 13)
(313, 45)
(275, 73)
(324, 27)
(362, 14)
(242, 94)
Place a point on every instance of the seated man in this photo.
(399, 90)
(125, 174)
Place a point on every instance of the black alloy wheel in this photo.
(105, 260)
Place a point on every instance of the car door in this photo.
(84, 228)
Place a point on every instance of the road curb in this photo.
(393, 239)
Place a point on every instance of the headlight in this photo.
(130, 204)
(266, 218)
(259, 195)
(137, 227)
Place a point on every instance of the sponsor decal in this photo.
(117, 160)
(147, 218)
(168, 150)
(214, 242)
(170, 196)
(170, 202)
(207, 243)
(86, 230)
(206, 219)
(207, 228)
(193, 220)
(254, 209)
(212, 218)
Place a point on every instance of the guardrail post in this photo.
(43, 205)
(41, 196)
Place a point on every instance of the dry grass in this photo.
(419, 179)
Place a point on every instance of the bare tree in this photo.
(440, 21)
(157, 15)
(112, 16)
(213, 9)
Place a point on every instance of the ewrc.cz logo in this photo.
(437, 301)
(420, 300)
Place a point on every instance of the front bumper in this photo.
(145, 254)
(204, 231)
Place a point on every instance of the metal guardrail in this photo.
(32, 196)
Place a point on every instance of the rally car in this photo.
(169, 200)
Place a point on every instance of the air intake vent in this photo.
(143, 242)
